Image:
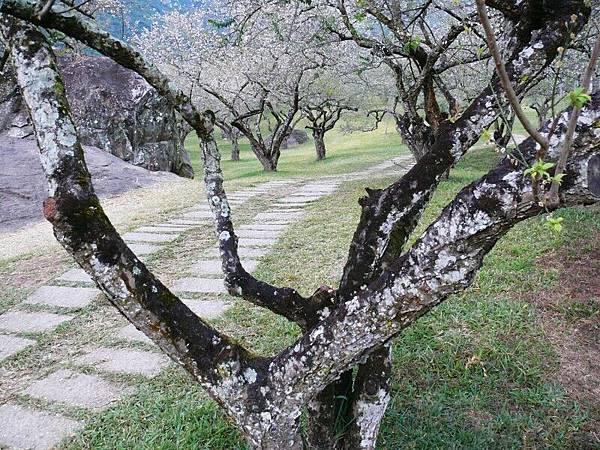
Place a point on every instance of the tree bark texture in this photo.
(384, 289)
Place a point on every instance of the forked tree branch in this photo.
(82, 227)
(284, 301)
(586, 82)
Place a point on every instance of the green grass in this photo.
(473, 374)
(346, 153)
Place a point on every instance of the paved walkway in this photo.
(90, 382)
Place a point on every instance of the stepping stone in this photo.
(76, 389)
(200, 285)
(149, 237)
(31, 322)
(262, 227)
(76, 276)
(132, 334)
(246, 242)
(174, 226)
(213, 266)
(64, 297)
(143, 249)
(156, 229)
(25, 428)
(198, 208)
(198, 215)
(272, 216)
(243, 252)
(208, 309)
(257, 234)
(189, 222)
(122, 360)
(11, 345)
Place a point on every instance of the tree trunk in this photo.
(268, 160)
(235, 146)
(319, 138)
(416, 135)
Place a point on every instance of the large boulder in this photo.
(117, 111)
(296, 137)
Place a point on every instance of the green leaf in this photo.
(555, 223)
(579, 97)
(412, 44)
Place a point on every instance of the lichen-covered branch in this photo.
(442, 262)
(284, 301)
(82, 227)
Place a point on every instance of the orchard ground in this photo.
(511, 363)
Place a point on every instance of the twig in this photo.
(504, 78)
(43, 10)
(586, 82)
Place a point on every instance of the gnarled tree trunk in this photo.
(319, 138)
(235, 146)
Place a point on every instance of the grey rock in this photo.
(76, 389)
(76, 276)
(20, 160)
(31, 322)
(64, 297)
(208, 309)
(124, 360)
(11, 345)
(200, 285)
(115, 110)
(25, 428)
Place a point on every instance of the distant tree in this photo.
(339, 367)
(250, 67)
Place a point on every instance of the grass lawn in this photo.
(346, 153)
(477, 373)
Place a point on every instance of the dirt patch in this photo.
(571, 319)
(23, 185)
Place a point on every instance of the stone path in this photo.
(88, 383)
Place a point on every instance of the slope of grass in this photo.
(346, 153)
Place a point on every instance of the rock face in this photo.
(116, 111)
(21, 201)
(13, 115)
(297, 137)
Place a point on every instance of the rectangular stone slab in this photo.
(76, 276)
(132, 334)
(156, 229)
(242, 252)
(124, 360)
(208, 309)
(257, 234)
(262, 227)
(200, 285)
(11, 345)
(26, 428)
(248, 242)
(195, 215)
(275, 216)
(149, 237)
(174, 226)
(213, 266)
(76, 389)
(31, 322)
(189, 222)
(64, 297)
(143, 249)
